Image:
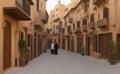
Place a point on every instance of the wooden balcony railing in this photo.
(70, 20)
(19, 11)
(78, 30)
(84, 27)
(98, 2)
(23, 5)
(44, 16)
(85, 0)
(92, 25)
(102, 23)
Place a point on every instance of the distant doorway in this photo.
(88, 46)
(68, 44)
(79, 44)
(63, 43)
(35, 46)
(72, 45)
(32, 47)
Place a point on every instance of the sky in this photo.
(51, 4)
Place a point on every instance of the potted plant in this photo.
(82, 51)
(23, 52)
(113, 53)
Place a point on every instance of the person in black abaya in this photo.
(56, 49)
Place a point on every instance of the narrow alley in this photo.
(66, 63)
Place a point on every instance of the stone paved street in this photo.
(66, 63)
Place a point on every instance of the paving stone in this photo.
(66, 63)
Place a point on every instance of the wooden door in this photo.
(7, 46)
(108, 39)
(39, 45)
(79, 44)
(35, 48)
(88, 46)
(118, 46)
(31, 47)
(72, 45)
(59, 42)
(104, 44)
(95, 42)
(63, 43)
(69, 44)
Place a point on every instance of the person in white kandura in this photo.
(52, 48)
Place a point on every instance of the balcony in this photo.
(56, 19)
(44, 16)
(38, 24)
(66, 35)
(84, 27)
(52, 33)
(38, 27)
(30, 2)
(85, 0)
(57, 33)
(78, 30)
(20, 10)
(92, 25)
(102, 23)
(70, 20)
(44, 34)
(98, 2)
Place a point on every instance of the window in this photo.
(22, 35)
(37, 5)
(84, 22)
(78, 23)
(68, 28)
(85, 8)
(105, 12)
(92, 17)
(99, 16)
(63, 31)
(74, 26)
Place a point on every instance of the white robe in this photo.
(52, 46)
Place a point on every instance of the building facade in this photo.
(92, 25)
(18, 20)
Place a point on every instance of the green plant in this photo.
(113, 52)
(113, 56)
(113, 46)
(23, 52)
(22, 45)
